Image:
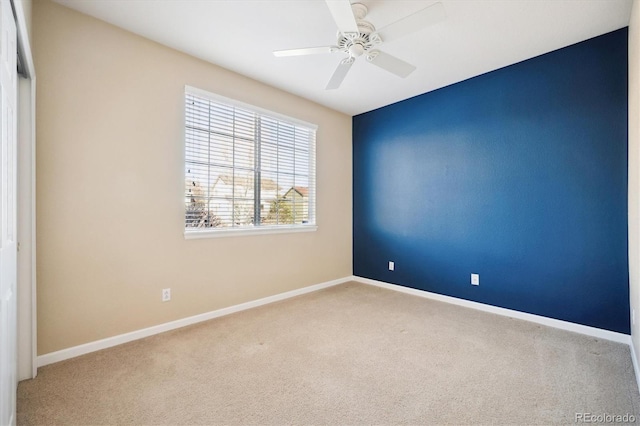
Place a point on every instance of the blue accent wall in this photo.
(519, 175)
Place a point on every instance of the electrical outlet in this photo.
(475, 279)
(166, 294)
(392, 266)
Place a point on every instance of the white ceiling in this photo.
(476, 37)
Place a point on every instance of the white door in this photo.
(8, 266)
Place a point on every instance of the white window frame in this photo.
(197, 233)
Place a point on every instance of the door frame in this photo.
(26, 200)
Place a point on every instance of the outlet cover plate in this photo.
(475, 279)
(166, 294)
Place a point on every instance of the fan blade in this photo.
(390, 63)
(421, 19)
(343, 15)
(305, 51)
(339, 74)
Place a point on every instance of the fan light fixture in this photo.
(356, 50)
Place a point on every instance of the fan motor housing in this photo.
(355, 44)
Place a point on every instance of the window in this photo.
(246, 169)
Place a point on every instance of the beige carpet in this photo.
(350, 354)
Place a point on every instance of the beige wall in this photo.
(634, 171)
(110, 188)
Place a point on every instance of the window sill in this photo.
(238, 232)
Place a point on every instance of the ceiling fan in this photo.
(357, 37)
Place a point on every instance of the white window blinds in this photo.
(245, 168)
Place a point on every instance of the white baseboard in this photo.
(634, 360)
(86, 348)
(97, 345)
(563, 325)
